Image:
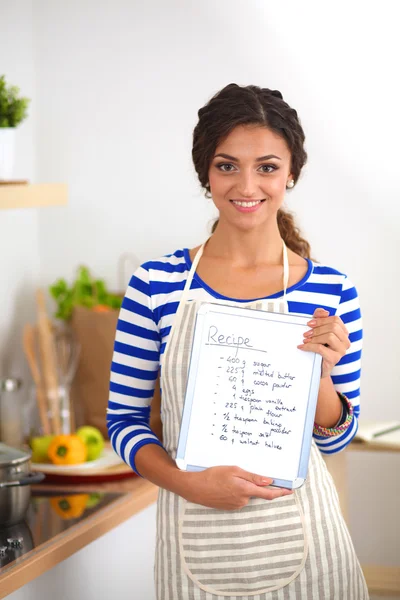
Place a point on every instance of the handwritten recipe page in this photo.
(248, 392)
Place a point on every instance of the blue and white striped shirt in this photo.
(144, 324)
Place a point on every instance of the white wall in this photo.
(118, 86)
(19, 245)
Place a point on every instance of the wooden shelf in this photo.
(33, 195)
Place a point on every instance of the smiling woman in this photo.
(225, 531)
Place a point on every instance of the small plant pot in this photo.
(7, 152)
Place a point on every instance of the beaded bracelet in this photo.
(331, 431)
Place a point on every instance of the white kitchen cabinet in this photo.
(117, 565)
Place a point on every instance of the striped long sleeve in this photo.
(346, 374)
(134, 371)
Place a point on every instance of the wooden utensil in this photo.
(29, 349)
(49, 363)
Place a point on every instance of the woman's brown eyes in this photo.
(271, 168)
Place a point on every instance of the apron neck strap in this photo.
(192, 271)
(199, 254)
(285, 269)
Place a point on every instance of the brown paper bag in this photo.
(95, 333)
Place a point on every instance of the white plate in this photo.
(108, 459)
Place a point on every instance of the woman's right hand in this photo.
(228, 488)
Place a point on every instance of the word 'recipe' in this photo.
(220, 339)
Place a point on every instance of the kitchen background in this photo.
(115, 90)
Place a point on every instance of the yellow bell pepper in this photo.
(67, 450)
(69, 507)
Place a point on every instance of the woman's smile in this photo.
(247, 205)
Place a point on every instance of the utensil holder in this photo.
(32, 423)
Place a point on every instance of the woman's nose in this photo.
(247, 186)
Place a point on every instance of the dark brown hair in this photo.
(251, 105)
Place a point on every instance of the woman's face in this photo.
(248, 176)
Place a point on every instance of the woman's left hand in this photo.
(328, 337)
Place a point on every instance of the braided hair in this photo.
(251, 105)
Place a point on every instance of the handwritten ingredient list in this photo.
(251, 394)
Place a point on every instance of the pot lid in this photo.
(12, 456)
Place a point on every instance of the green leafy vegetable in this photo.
(85, 291)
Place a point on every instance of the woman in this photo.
(224, 531)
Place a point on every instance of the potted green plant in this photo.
(13, 110)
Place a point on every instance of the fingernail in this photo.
(265, 481)
(312, 322)
(308, 333)
(301, 346)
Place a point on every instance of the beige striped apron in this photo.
(294, 547)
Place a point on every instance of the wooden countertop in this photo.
(136, 494)
(358, 445)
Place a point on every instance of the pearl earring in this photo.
(290, 184)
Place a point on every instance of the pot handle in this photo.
(26, 480)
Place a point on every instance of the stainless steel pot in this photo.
(15, 481)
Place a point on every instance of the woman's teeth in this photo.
(246, 204)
